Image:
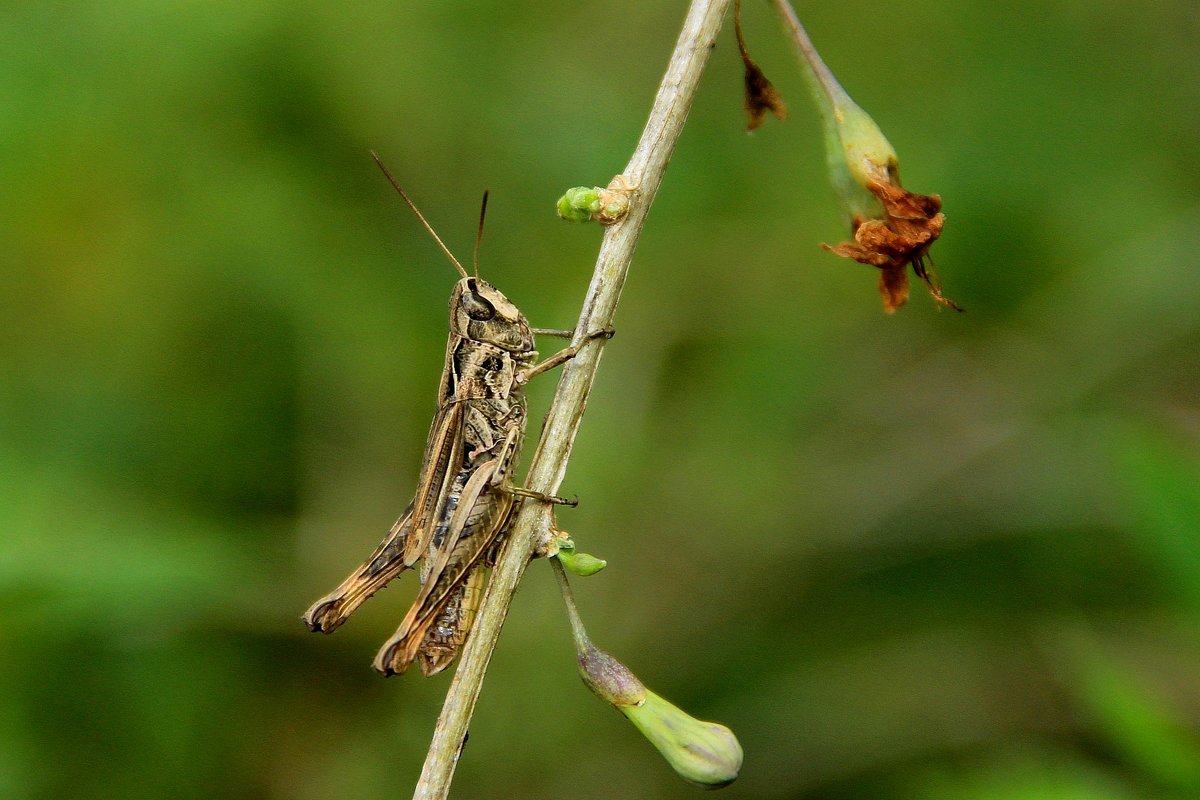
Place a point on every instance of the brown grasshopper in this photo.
(465, 498)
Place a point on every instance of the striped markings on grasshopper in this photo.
(465, 498)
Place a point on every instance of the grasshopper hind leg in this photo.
(328, 613)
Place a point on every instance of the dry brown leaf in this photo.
(761, 95)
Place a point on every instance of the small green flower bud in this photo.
(703, 753)
(579, 204)
(581, 564)
(606, 206)
(615, 210)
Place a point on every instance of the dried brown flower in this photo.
(911, 223)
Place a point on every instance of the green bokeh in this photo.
(919, 557)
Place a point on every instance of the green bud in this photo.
(607, 206)
(581, 564)
(703, 753)
(579, 204)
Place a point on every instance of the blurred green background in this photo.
(923, 556)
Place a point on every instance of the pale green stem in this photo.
(826, 89)
(577, 629)
(827, 93)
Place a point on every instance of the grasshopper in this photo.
(465, 497)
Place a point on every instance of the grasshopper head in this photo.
(481, 312)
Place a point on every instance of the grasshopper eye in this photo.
(476, 307)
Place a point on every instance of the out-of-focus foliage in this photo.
(919, 557)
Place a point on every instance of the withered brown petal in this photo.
(893, 285)
(899, 203)
(880, 237)
(859, 253)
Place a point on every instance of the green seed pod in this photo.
(856, 150)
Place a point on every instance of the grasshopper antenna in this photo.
(479, 233)
(421, 217)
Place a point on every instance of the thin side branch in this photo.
(549, 464)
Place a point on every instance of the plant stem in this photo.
(578, 632)
(821, 79)
(549, 464)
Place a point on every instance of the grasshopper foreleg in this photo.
(560, 333)
(521, 491)
(562, 356)
(563, 333)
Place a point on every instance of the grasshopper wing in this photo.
(445, 637)
(442, 613)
